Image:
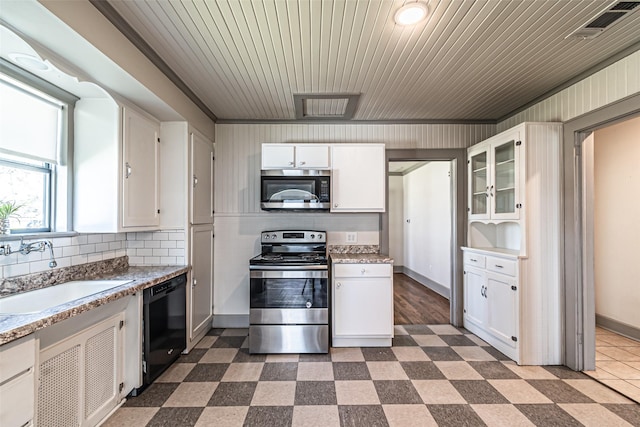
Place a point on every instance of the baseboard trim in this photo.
(618, 327)
(425, 281)
(231, 321)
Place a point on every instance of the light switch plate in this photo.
(352, 237)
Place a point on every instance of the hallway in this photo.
(415, 304)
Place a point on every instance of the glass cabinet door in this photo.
(479, 188)
(504, 188)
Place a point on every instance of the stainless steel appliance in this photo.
(164, 327)
(295, 190)
(289, 283)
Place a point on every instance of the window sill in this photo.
(32, 236)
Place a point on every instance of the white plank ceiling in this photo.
(471, 60)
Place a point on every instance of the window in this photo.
(33, 155)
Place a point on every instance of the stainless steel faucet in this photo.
(27, 248)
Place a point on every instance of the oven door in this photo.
(289, 297)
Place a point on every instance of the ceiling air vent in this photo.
(325, 106)
(605, 19)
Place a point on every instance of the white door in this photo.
(278, 156)
(475, 304)
(358, 178)
(201, 295)
(140, 170)
(502, 320)
(312, 156)
(202, 180)
(479, 183)
(362, 307)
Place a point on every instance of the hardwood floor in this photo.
(415, 304)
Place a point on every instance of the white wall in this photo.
(239, 220)
(396, 220)
(617, 221)
(427, 237)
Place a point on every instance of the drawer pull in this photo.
(363, 271)
(473, 260)
(499, 266)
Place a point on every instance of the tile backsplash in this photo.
(165, 247)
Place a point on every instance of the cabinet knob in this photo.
(128, 171)
(290, 163)
(363, 271)
(335, 205)
(338, 284)
(195, 181)
(303, 163)
(195, 282)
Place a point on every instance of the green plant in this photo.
(9, 209)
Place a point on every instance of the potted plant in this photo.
(7, 210)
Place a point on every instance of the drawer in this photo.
(477, 260)
(17, 356)
(362, 270)
(501, 265)
(17, 400)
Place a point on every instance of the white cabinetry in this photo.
(290, 156)
(187, 200)
(362, 305)
(512, 282)
(17, 382)
(358, 178)
(115, 171)
(491, 301)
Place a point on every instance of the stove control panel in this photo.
(290, 236)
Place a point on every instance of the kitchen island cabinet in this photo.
(362, 300)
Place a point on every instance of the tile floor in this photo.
(433, 375)
(617, 363)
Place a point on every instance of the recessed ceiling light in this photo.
(411, 13)
(29, 61)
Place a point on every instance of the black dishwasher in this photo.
(165, 326)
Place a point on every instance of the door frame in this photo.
(579, 295)
(458, 156)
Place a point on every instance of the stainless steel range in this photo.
(289, 284)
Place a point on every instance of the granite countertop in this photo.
(15, 326)
(360, 258)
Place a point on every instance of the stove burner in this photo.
(272, 257)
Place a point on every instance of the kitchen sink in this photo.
(52, 296)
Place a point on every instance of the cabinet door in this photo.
(278, 156)
(363, 307)
(312, 156)
(502, 296)
(202, 180)
(475, 304)
(201, 295)
(140, 170)
(479, 177)
(504, 188)
(358, 178)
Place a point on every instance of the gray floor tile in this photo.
(397, 392)
(315, 393)
(233, 394)
(313, 357)
(422, 371)
(243, 356)
(269, 416)
(175, 417)
(194, 356)
(153, 396)
(559, 391)
(207, 372)
(457, 340)
(345, 371)
(378, 354)
(216, 331)
(455, 416)
(228, 342)
(629, 413)
(478, 392)
(497, 354)
(565, 373)
(362, 415)
(494, 370)
(418, 330)
(441, 353)
(403, 341)
(282, 371)
(548, 415)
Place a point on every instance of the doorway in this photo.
(455, 161)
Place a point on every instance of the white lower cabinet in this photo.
(491, 301)
(17, 382)
(200, 294)
(362, 305)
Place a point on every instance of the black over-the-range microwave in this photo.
(296, 189)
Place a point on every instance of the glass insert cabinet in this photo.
(494, 170)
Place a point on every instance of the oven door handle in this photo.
(289, 274)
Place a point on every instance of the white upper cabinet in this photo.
(358, 178)
(494, 178)
(291, 156)
(202, 179)
(116, 157)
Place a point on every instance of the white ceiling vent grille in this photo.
(326, 106)
(605, 19)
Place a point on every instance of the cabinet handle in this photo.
(491, 191)
(195, 283)
(473, 260)
(303, 163)
(499, 266)
(335, 205)
(290, 163)
(195, 181)
(482, 290)
(363, 271)
(128, 171)
(338, 284)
